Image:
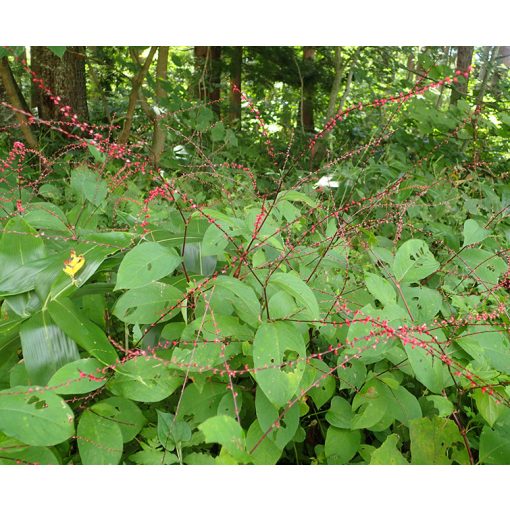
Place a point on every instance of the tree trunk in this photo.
(486, 70)
(208, 75)
(308, 89)
(235, 81)
(133, 96)
(347, 90)
(335, 88)
(464, 58)
(159, 134)
(15, 98)
(64, 77)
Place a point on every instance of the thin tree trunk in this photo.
(202, 57)
(235, 81)
(335, 88)
(487, 70)
(16, 99)
(308, 89)
(133, 97)
(464, 59)
(214, 89)
(159, 133)
(347, 90)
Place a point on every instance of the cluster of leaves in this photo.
(366, 325)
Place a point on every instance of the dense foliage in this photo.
(217, 302)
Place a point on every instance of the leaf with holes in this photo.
(414, 261)
(144, 264)
(148, 304)
(424, 303)
(126, 414)
(279, 353)
(35, 416)
(144, 380)
(381, 289)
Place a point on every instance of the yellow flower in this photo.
(73, 264)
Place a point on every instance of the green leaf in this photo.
(432, 439)
(19, 246)
(126, 414)
(144, 380)
(172, 431)
(148, 304)
(214, 242)
(296, 196)
(99, 439)
(152, 457)
(414, 261)
(489, 344)
(83, 331)
(275, 345)
(381, 289)
(341, 445)
(474, 233)
(201, 403)
(88, 185)
(266, 451)
(340, 413)
(280, 431)
(299, 290)
(146, 263)
(495, 443)
(72, 378)
(243, 298)
(326, 383)
(483, 266)
(47, 216)
(218, 132)
(45, 347)
(226, 431)
(488, 407)
(196, 262)
(428, 368)
(388, 454)
(35, 416)
(57, 50)
(423, 302)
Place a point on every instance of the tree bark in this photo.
(335, 88)
(208, 75)
(159, 133)
(485, 72)
(133, 97)
(308, 89)
(214, 92)
(64, 77)
(464, 58)
(234, 114)
(15, 98)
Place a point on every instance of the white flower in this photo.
(326, 182)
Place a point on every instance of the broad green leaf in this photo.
(196, 262)
(265, 451)
(489, 344)
(481, 265)
(14, 452)
(19, 244)
(243, 298)
(214, 242)
(88, 185)
(414, 261)
(433, 440)
(423, 302)
(320, 374)
(35, 416)
(144, 380)
(340, 413)
(144, 264)
(380, 288)
(46, 347)
(474, 233)
(279, 430)
(99, 439)
(296, 196)
(201, 404)
(489, 408)
(388, 453)
(83, 331)
(151, 457)
(47, 216)
(495, 443)
(228, 433)
(299, 290)
(404, 406)
(126, 414)
(341, 445)
(429, 369)
(148, 304)
(77, 377)
(171, 431)
(275, 345)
